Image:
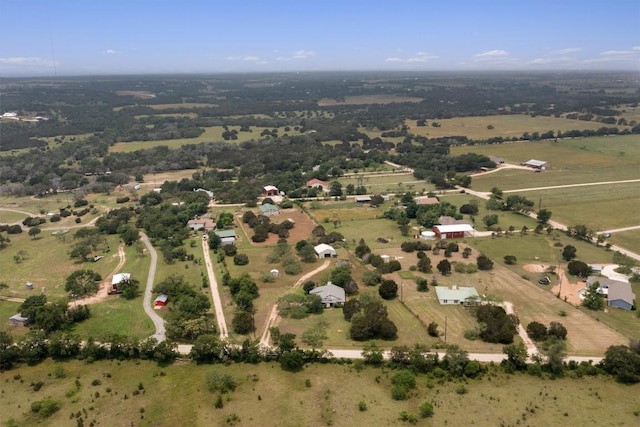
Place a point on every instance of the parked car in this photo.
(544, 281)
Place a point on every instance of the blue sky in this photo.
(80, 37)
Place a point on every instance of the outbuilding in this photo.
(325, 251)
(20, 320)
(270, 190)
(363, 199)
(161, 300)
(117, 279)
(536, 164)
(227, 237)
(318, 184)
(268, 209)
(453, 231)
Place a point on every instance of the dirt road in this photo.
(105, 286)
(215, 292)
(273, 315)
(158, 321)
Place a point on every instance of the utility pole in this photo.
(445, 329)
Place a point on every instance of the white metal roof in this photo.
(452, 228)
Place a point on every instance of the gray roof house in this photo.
(457, 295)
(618, 293)
(330, 294)
(226, 236)
(268, 209)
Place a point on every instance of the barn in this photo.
(117, 279)
(325, 251)
(453, 231)
(536, 164)
(318, 184)
(270, 190)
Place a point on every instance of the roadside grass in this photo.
(627, 239)
(368, 99)
(176, 395)
(512, 125)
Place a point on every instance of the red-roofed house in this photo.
(318, 184)
(270, 190)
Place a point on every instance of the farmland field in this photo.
(572, 161)
(509, 126)
(177, 395)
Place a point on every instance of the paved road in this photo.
(215, 292)
(158, 321)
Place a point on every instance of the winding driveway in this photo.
(158, 321)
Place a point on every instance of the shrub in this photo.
(404, 378)
(422, 284)
(362, 406)
(426, 410)
(510, 259)
(220, 382)
(399, 393)
(537, 331)
(432, 329)
(241, 259)
(45, 408)
(388, 289)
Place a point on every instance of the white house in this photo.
(325, 251)
(330, 294)
(117, 279)
(457, 295)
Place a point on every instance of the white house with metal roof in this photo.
(457, 295)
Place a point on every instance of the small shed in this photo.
(20, 320)
(427, 235)
(274, 272)
(426, 200)
(325, 251)
(117, 279)
(363, 199)
(161, 300)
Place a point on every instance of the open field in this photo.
(572, 161)
(177, 395)
(387, 183)
(512, 125)
(189, 115)
(367, 99)
(592, 205)
(211, 134)
(170, 106)
(48, 268)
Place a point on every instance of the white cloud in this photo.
(491, 55)
(111, 51)
(420, 57)
(300, 54)
(635, 48)
(26, 61)
(566, 51)
(249, 58)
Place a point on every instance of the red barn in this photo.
(452, 231)
(270, 190)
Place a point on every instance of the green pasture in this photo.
(47, 264)
(321, 394)
(573, 161)
(387, 183)
(509, 126)
(601, 207)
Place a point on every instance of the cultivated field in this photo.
(177, 395)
